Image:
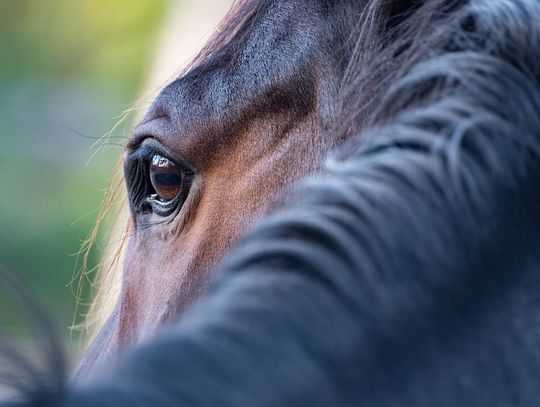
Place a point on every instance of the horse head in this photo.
(219, 145)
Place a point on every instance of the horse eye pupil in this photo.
(166, 178)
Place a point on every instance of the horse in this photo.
(402, 274)
(222, 142)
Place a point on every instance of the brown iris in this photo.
(166, 178)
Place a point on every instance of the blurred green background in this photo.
(68, 69)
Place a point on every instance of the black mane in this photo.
(407, 274)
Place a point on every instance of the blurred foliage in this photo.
(103, 41)
(67, 69)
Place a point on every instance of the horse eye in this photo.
(166, 178)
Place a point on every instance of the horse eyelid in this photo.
(145, 153)
(150, 147)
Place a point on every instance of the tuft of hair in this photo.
(29, 377)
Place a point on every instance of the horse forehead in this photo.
(278, 46)
(272, 70)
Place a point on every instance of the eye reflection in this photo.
(166, 178)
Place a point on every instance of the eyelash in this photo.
(144, 198)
